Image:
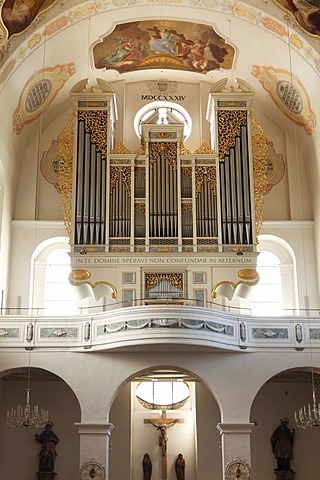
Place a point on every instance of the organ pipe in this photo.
(163, 202)
(120, 203)
(90, 191)
(235, 187)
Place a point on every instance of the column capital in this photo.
(225, 428)
(95, 428)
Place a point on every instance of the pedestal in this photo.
(46, 475)
(284, 474)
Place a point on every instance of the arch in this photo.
(280, 396)
(155, 368)
(153, 106)
(44, 248)
(39, 260)
(278, 246)
(193, 428)
(287, 268)
(46, 389)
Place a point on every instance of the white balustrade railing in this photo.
(117, 326)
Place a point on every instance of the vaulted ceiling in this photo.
(47, 46)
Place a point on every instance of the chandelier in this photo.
(27, 416)
(309, 416)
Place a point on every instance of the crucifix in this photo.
(162, 424)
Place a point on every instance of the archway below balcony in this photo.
(194, 434)
(280, 397)
(19, 451)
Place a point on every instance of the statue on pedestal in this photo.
(47, 455)
(282, 441)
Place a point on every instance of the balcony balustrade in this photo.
(139, 325)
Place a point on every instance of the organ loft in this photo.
(163, 224)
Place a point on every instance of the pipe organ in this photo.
(235, 185)
(163, 198)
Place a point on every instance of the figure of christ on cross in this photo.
(162, 424)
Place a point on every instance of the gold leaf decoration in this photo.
(229, 127)
(260, 166)
(64, 184)
(120, 149)
(96, 123)
(204, 149)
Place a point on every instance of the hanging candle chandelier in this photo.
(309, 416)
(27, 415)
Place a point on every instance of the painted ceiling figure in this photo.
(17, 15)
(164, 41)
(134, 45)
(307, 13)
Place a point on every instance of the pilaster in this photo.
(94, 443)
(235, 441)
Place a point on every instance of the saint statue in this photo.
(180, 467)
(282, 442)
(147, 467)
(48, 440)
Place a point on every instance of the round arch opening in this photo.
(163, 433)
(162, 108)
(51, 393)
(280, 397)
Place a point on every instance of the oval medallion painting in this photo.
(163, 44)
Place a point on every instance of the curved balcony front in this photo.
(165, 327)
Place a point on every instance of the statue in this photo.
(180, 467)
(48, 440)
(163, 439)
(282, 442)
(147, 467)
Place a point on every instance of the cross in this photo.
(162, 424)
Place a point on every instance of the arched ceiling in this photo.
(47, 46)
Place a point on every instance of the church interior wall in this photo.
(27, 187)
(204, 89)
(120, 126)
(23, 238)
(120, 444)
(5, 237)
(209, 441)
(49, 201)
(301, 206)
(300, 236)
(277, 201)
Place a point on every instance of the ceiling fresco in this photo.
(54, 16)
(17, 15)
(163, 44)
(306, 12)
